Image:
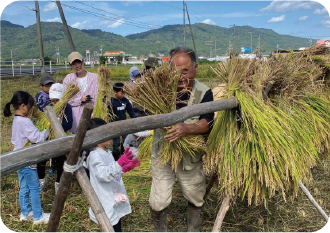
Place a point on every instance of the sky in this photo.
(295, 18)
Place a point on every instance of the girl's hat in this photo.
(133, 72)
(56, 91)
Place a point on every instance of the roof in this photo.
(323, 42)
(114, 53)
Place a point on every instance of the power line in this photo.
(119, 16)
(105, 16)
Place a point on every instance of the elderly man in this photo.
(189, 171)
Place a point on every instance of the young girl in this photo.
(23, 131)
(105, 177)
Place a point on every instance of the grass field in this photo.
(294, 215)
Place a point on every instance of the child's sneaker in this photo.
(26, 218)
(43, 182)
(43, 220)
(57, 185)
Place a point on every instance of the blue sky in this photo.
(296, 18)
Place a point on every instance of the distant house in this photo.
(115, 56)
(326, 43)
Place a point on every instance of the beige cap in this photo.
(74, 56)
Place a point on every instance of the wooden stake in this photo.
(93, 200)
(66, 177)
(221, 214)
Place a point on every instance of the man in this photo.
(189, 171)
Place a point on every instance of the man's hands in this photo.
(175, 132)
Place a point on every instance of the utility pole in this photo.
(101, 49)
(66, 28)
(310, 41)
(184, 25)
(57, 51)
(215, 48)
(234, 35)
(251, 41)
(41, 47)
(191, 32)
(259, 44)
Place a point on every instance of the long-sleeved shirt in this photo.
(23, 131)
(105, 176)
(67, 120)
(120, 107)
(42, 100)
(77, 107)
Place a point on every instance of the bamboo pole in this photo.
(221, 214)
(66, 177)
(14, 160)
(311, 198)
(93, 200)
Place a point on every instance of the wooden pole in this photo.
(66, 28)
(221, 214)
(40, 43)
(210, 183)
(93, 200)
(311, 198)
(66, 177)
(14, 160)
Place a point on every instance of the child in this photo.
(105, 177)
(55, 94)
(23, 131)
(42, 100)
(120, 105)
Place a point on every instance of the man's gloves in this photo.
(126, 161)
(88, 99)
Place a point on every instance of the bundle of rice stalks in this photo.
(267, 146)
(157, 94)
(42, 122)
(104, 95)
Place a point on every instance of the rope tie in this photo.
(73, 168)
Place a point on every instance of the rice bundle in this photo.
(42, 122)
(104, 95)
(269, 145)
(157, 94)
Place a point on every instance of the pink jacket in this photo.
(77, 107)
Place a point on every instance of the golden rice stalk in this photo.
(144, 150)
(157, 93)
(104, 95)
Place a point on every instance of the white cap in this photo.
(56, 91)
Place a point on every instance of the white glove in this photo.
(46, 133)
(119, 197)
(135, 152)
(143, 134)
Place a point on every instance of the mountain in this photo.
(24, 44)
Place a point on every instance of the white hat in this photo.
(56, 91)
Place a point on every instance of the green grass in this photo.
(292, 216)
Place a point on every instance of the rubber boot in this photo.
(194, 218)
(159, 220)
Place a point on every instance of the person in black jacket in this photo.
(120, 106)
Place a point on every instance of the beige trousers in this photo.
(192, 182)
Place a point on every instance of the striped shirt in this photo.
(77, 107)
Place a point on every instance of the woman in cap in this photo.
(87, 83)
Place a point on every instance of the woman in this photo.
(87, 83)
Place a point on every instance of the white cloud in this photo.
(110, 24)
(277, 19)
(303, 18)
(50, 7)
(209, 21)
(321, 11)
(80, 25)
(56, 19)
(326, 23)
(283, 6)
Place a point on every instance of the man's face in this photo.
(187, 69)
(78, 66)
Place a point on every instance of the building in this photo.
(326, 43)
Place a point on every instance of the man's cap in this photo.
(151, 61)
(74, 56)
(56, 91)
(45, 79)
